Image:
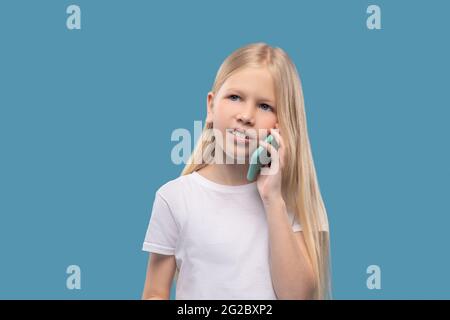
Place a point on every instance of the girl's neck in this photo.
(228, 174)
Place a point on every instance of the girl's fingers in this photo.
(281, 149)
(277, 136)
(270, 148)
(274, 160)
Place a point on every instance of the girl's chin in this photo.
(240, 155)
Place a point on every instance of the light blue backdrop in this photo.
(86, 118)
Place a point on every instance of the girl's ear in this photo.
(209, 106)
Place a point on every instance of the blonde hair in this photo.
(300, 186)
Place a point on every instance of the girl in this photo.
(226, 237)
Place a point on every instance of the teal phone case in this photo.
(255, 162)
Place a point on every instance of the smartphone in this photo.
(255, 160)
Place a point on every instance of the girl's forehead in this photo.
(251, 81)
(251, 73)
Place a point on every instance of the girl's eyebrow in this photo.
(241, 93)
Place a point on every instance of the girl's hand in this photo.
(269, 180)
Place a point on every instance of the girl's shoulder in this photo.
(178, 196)
(175, 187)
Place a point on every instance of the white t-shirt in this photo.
(219, 236)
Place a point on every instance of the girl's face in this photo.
(246, 101)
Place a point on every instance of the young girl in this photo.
(228, 238)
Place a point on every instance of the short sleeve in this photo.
(296, 226)
(162, 232)
(294, 222)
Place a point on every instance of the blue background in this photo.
(86, 118)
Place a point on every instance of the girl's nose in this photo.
(246, 114)
(245, 118)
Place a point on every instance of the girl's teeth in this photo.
(240, 134)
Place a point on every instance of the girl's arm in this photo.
(160, 271)
(290, 268)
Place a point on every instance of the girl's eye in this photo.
(263, 106)
(233, 95)
(266, 107)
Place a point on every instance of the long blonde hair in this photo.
(300, 186)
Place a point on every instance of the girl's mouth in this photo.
(239, 136)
